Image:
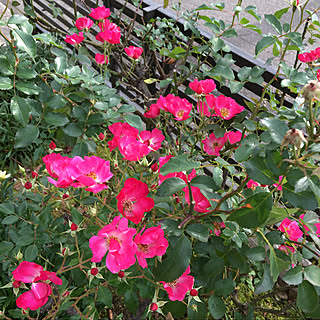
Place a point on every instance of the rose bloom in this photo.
(132, 149)
(108, 25)
(116, 239)
(133, 201)
(92, 172)
(150, 244)
(234, 136)
(109, 36)
(100, 13)
(30, 272)
(217, 227)
(119, 130)
(152, 139)
(84, 23)
(101, 58)
(178, 288)
(206, 107)
(213, 145)
(308, 57)
(58, 167)
(133, 52)
(318, 75)
(75, 38)
(226, 107)
(291, 229)
(202, 86)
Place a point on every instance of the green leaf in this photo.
(230, 33)
(293, 276)
(301, 185)
(223, 287)
(10, 219)
(198, 231)
(254, 212)
(165, 3)
(197, 311)
(277, 265)
(264, 43)
(5, 247)
(57, 101)
(25, 42)
(235, 86)
(20, 110)
(104, 296)
(5, 83)
(266, 282)
(304, 200)
(80, 149)
(277, 129)
(307, 299)
(170, 186)
(278, 14)
(26, 73)
(312, 274)
(72, 130)
(26, 136)
(204, 183)
(76, 216)
(223, 71)
(244, 152)
(217, 307)
(28, 88)
(31, 253)
(296, 38)
(179, 163)
(6, 68)
(176, 263)
(56, 119)
(134, 121)
(274, 22)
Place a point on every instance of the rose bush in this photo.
(197, 208)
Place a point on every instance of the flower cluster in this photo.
(212, 145)
(311, 56)
(91, 172)
(132, 145)
(180, 108)
(30, 272)
(117, 239)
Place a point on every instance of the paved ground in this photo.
(247, 39)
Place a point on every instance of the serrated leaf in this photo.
(312, 274)
(264, 43)
(179, 163)
(26, 136)
(5, 83)
(176, 263)
(307, 299)
(277, 265)
(198, 231)
(293, 276)
(5, 247)
(274, 22)
(20, 110)
(25, 42)
(301, 185)
(255, 212)
(217, 307)
(266, 282)
(56, 119)
(28, 88)
(134, 121)
(170, 186)
(6, 68)
(277, 129)
(104, 296)
(31, 253)
(10, 219)
(72, 130)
